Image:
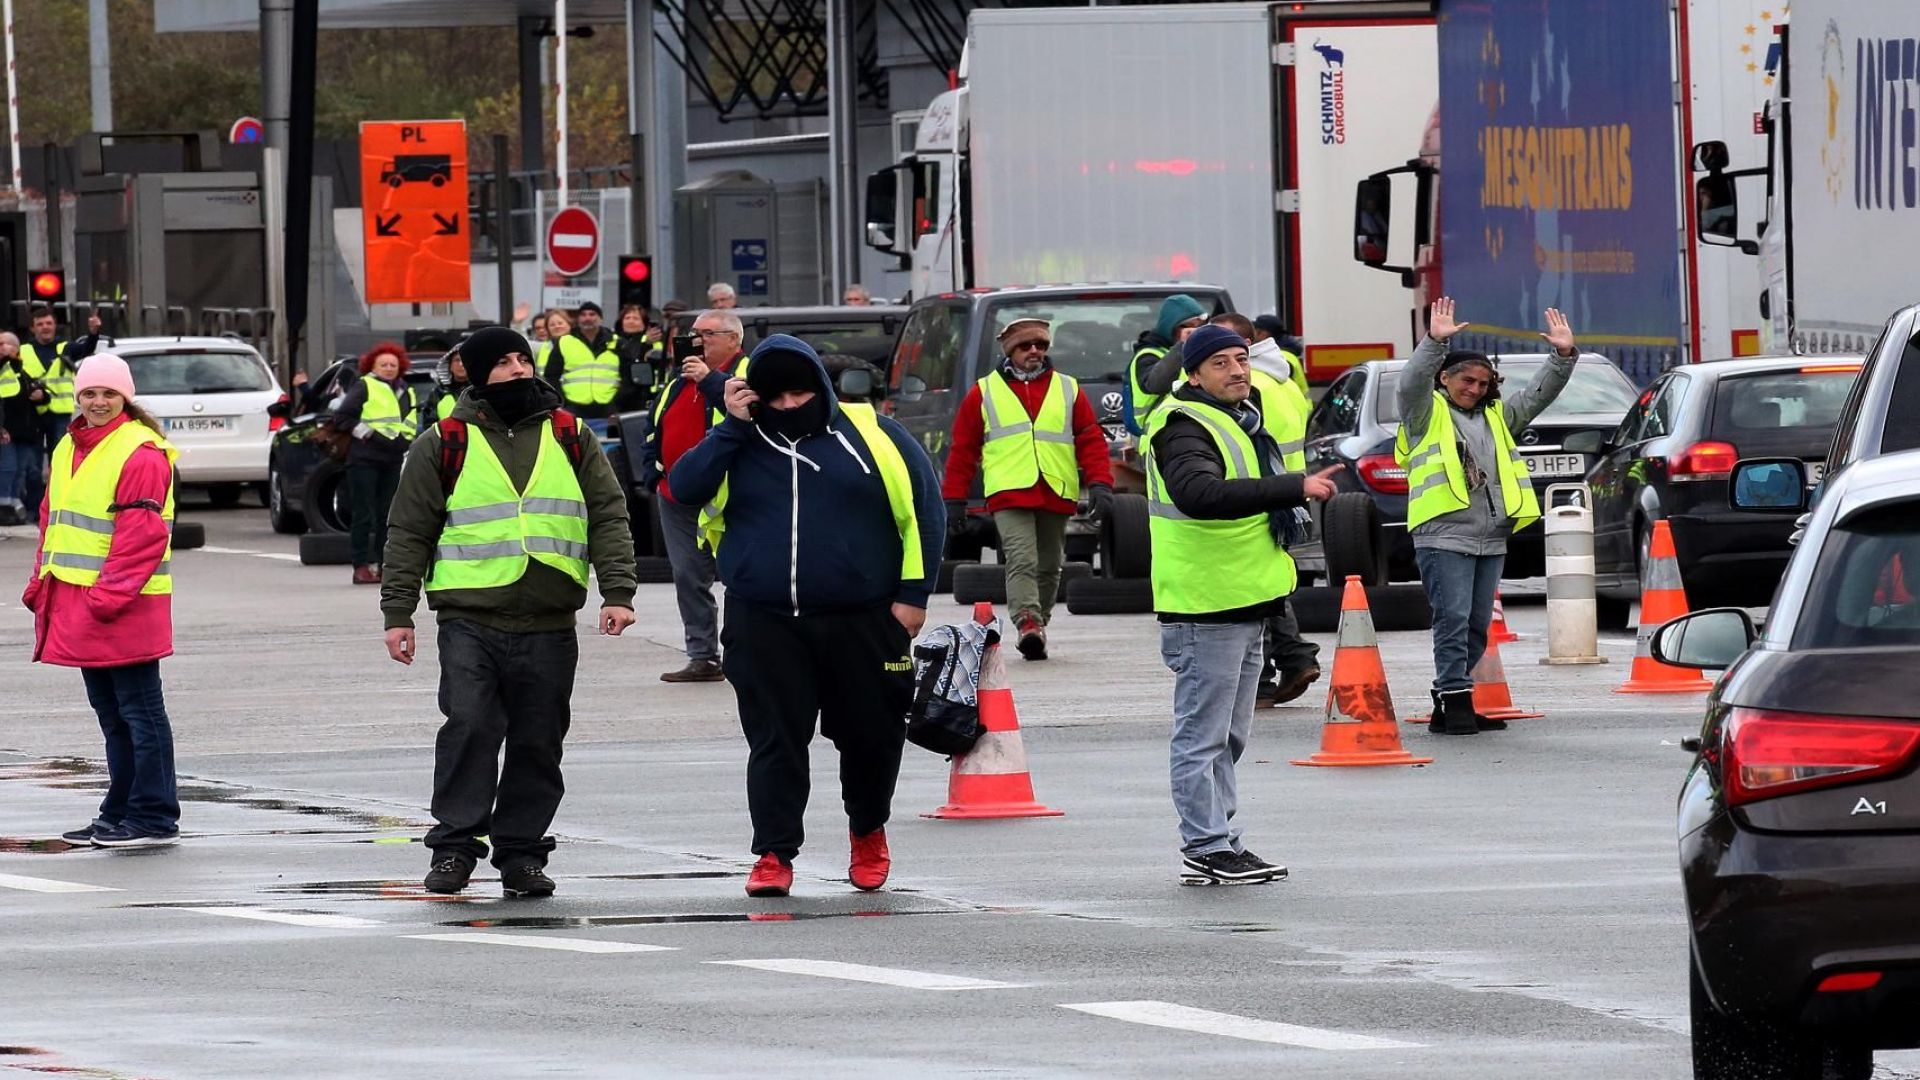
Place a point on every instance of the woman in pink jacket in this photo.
(101, 596)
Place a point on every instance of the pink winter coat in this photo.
(108, 623)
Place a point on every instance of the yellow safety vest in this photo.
(444, 407)
(1201, 567)
(893, 473)
(10, 384)
(53, 373)
(80, 516)
(1143, 402)
(1019, 451)
(1437, 482)
(1299, 374)
(714, 415)
(587, 377)
(1284, 411)
(385, 412)
(492, 529)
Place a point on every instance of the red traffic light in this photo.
(48, 284)
(635, 269)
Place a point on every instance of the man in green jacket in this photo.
(501, 538)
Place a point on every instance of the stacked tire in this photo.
(973, 583)
(1125, 585)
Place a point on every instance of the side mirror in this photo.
(1710, 157)
(1777, 484)
(1584, 442)
(1712, 639)
(885, 217)
(1373, 218)
(1717, 198)
(911, 387)
(280, 410)
(855, 384)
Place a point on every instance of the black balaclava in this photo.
(514, 400)
(777, 372)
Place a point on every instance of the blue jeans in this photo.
(1460, 590)
(1216, 672)
(20, 479)
(9, 475)
(140, 783)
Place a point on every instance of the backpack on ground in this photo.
(453, 445)
(945, 716)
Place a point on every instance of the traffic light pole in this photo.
(503, 228)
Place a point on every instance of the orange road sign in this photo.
(413, 195)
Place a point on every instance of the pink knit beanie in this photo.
(105, 370)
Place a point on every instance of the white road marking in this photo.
(280, 555)
(227, 550)
(290, 918)
(562, 944)
(47, 885)
(1168, 1015)
(833, 969)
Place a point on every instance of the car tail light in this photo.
(1704, 461)
(1769, 753)
(1383, 474)
(1849, 980)
(276, 422)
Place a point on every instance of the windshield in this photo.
(1093, 337)
(198, 373)
(1864, 590)
(872, 342)
(1596, 387)
(1782, 399)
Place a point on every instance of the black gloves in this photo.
(957, 522)
(1099, 504)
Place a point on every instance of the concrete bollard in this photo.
(1572, 621)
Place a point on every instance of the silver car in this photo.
(211, 395)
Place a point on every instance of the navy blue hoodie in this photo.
(809, 527)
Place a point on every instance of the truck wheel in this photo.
(188, 535)
(1393, 607)
(284, 518)
(1731, 1048)
(652, 570)
(1126, 544)
(326, 549)
(975, 582)
(1352, 540)
(1110, 596)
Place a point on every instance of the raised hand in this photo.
(1559, 334)
(1440, 324)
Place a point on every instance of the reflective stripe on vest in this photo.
(587, 377)
(54, 374)
(493, 529)
(1019, 451)
(1202, 567)
(80, 515)
(893, 474)
(1284, 411)
(1143, 402)
(1437, 482)
(385, 413)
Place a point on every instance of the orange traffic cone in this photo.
(1500, 633)
(1663, 598)
(991, 780)
(1360, 728)
(1491, 698)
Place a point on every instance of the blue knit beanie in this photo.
(1206, 341)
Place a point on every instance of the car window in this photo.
(1866, 588)
(1663, 409)
(868, 341)
(1339, 410)
(1808, 399)
(929, 348)
(1596, 387)
(199, 372)
(1902, 426)
(1093, 335)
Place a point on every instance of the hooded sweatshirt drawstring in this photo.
(787, 450)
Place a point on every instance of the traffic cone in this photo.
(1500, 633)
(1360, 728)
(1663, 598)
(1491, 698)
(991, 780)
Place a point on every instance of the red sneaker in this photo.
(770, 877)
(868, 869)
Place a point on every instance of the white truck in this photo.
(1837, 222)
(1206, 143)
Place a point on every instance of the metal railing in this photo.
(251, 325)
(522, 187)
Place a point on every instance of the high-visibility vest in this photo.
(79, 509)
(893, 473)
(1019, 451)
(1143, 402)
(10, 383)
(587, 377)
(443, 407)
(492, 529)
(53, 373)
(1297, 373)
(1284, 411)
(1200, 567)
(1437, 482)
(385, 411)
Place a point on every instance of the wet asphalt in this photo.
(1510, 911)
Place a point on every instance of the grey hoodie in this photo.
(1483, 526)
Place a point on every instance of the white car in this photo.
(211, 394)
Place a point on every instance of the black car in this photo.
(1799, 822)
(1364, 529)
(1670, 460)
(306, 487)
(1882, 414)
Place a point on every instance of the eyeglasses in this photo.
(699, 333)
(1038, 346)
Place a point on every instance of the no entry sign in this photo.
(573, 241)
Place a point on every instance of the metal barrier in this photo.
(1573, 632)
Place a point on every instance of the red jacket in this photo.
(109, 623)
(970, 432)
(684, 423)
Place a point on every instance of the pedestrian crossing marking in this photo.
(834, 969)
(48, 885)
(1181, 1017)
(579, 945)
(289, 918)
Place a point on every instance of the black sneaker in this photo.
(450, 874)
(1219, 868)
(526, 880)
(82, 835)
(122, 836)
(1273, 871)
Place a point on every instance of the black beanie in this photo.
(777, 371)
(1206, 341)
(488, 346)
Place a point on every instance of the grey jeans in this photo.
(1033, 543)
(693, 574)
(1216, 671)
(1460, 590)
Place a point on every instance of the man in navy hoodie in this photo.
(827, 524)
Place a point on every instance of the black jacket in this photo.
(377, 450)
(1196, 480)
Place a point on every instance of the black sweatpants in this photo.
(1287, 653)
(849, 668)
(498, 687)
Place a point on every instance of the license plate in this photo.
(199, 423)
(1816, 471)
(1556, 464)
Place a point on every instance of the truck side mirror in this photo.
(1373, 218)
(882, 189)
(1716, 198)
